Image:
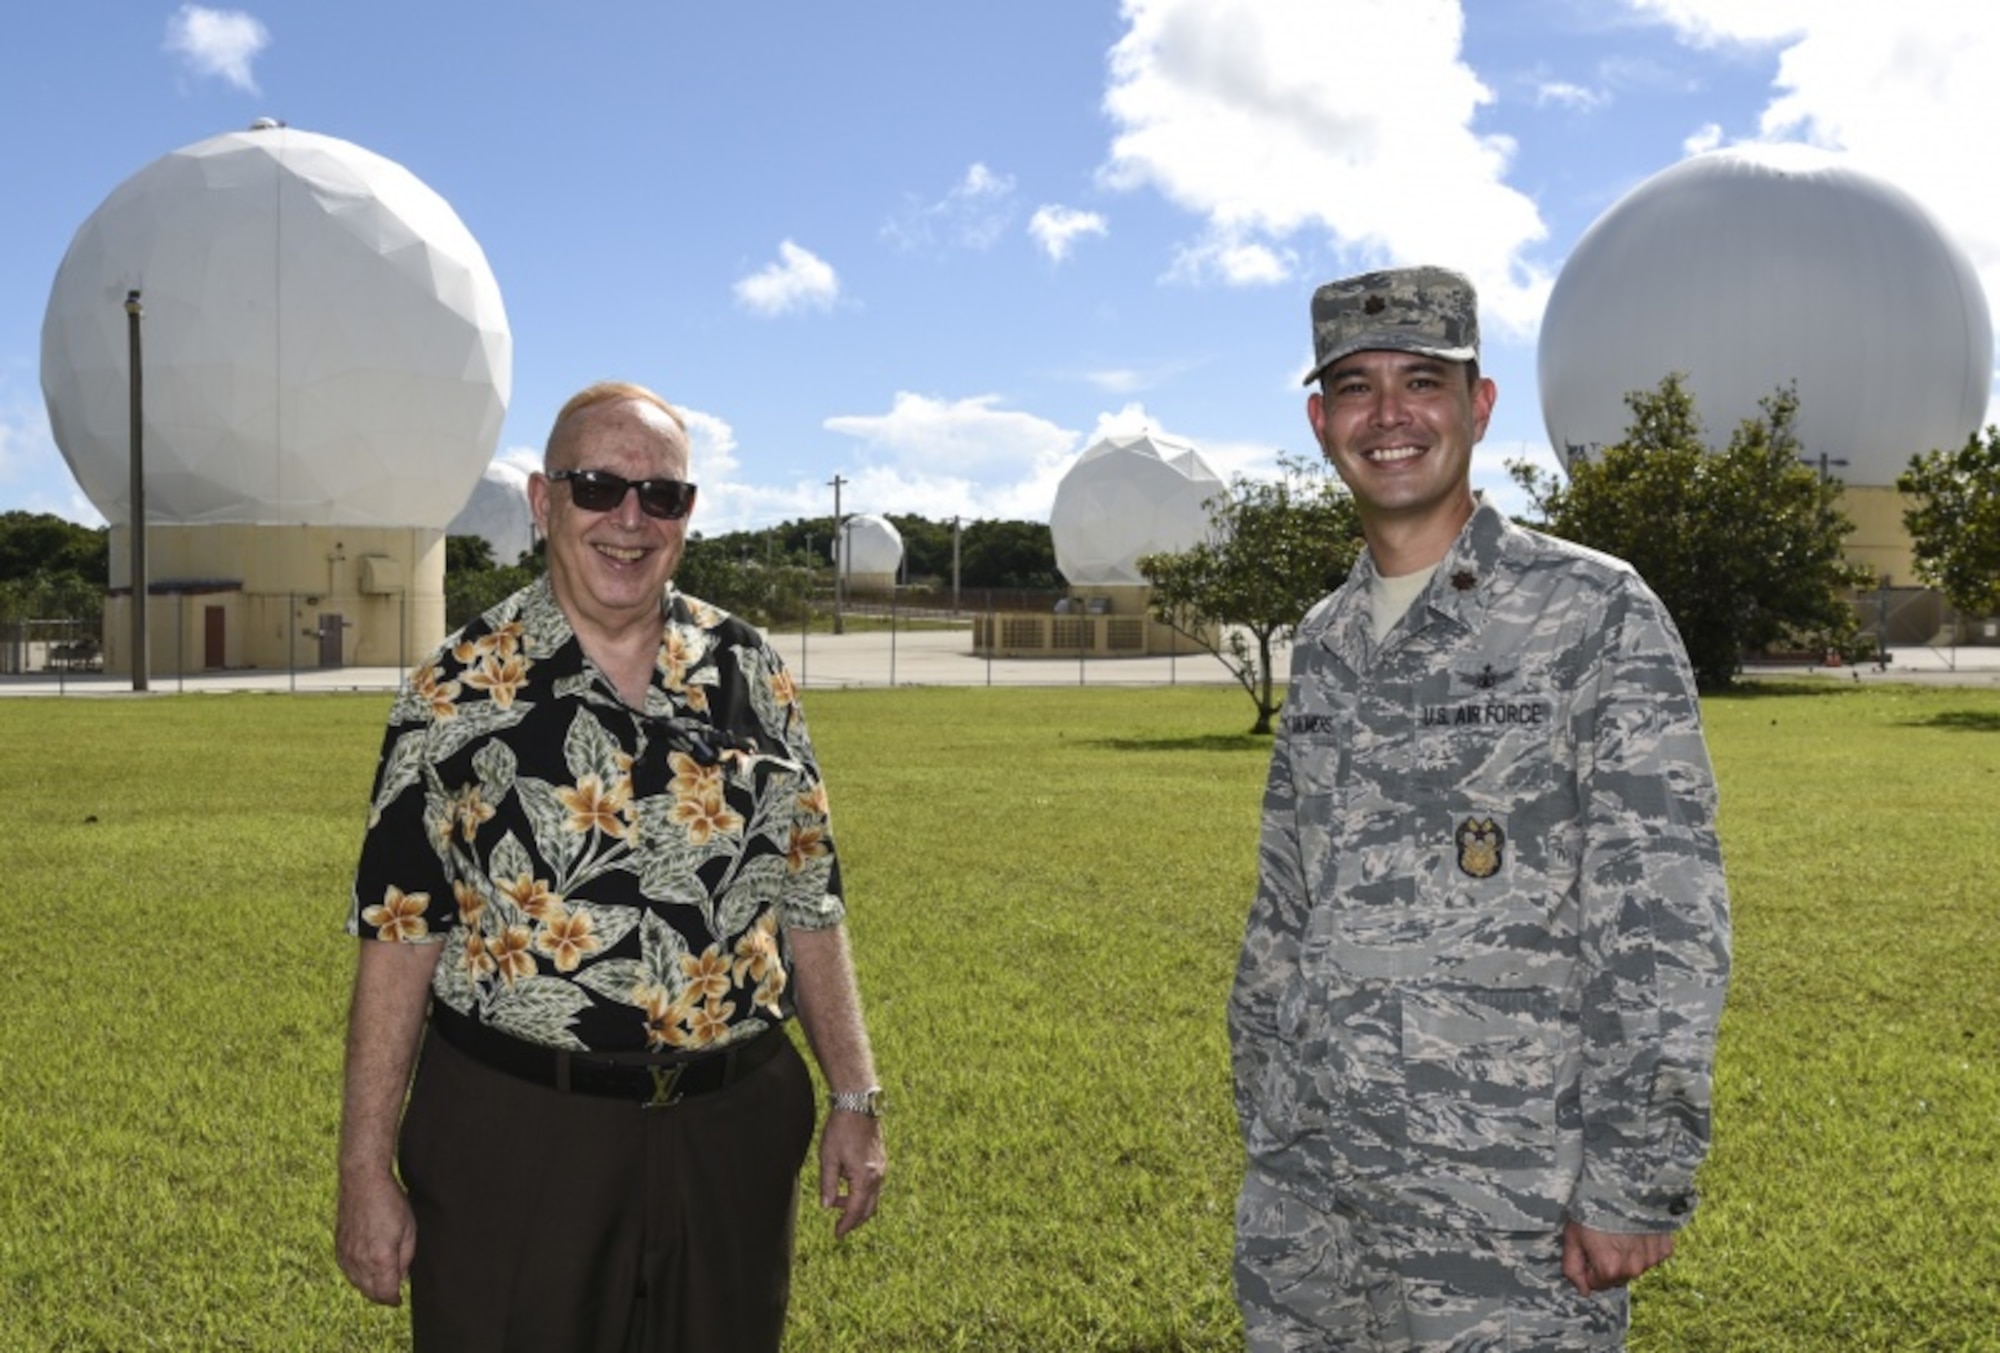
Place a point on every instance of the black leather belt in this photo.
(646, 1079)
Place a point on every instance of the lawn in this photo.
(1047, 891)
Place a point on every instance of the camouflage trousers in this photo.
(1310, 1281)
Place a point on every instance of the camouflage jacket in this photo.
(1484, 966)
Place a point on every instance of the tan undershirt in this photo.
(1389, 598)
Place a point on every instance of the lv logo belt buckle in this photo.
(665, 1078)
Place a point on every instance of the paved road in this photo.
(945, 658)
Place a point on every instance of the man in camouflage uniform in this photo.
(1475, 1013)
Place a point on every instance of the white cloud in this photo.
(1056, 228)
(1704, 138)
(1567, 95)
(959, 435)
(973, 214)
(798, 280)
(218, 42)
(1234, 113)
(33, 474)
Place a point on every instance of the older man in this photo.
(1476, 1007)
(597, 880)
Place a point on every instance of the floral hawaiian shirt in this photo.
(604, 878)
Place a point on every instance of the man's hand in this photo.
(375, 1237)
(851, 1154)
(1596, 1260)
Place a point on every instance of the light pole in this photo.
(141, 663)
(839, 557)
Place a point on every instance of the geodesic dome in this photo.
(877, 545)
(1756, 266)
(1125, 498)
(323, 342)
(498, 513)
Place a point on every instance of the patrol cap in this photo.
(1434, 311)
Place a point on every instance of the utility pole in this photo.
(141, 658)
(839, 557)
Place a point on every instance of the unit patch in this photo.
(1481, 847)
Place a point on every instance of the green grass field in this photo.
(1047, 890)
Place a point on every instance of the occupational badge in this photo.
(1481, 844)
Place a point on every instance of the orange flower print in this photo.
(469, 808)
(676, 656)
(502, 643)
(566, 938)
(696, 697)
(592, 807)
(757, 950)
(692, 780)
(813, 801)
(499, 678)
(782, 688)
(510, 952)
(531, 895)
(707, 975)
(441, 696)
(709, 1021)
(807, 844)
(666, 1020)
(470, 902)
(706, 816)
(475, 960)
(400, 915)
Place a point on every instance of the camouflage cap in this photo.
(1434, 311)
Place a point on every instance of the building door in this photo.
(330, 627)
(212, 631)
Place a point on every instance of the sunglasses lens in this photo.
(597, 492)
(667, 498)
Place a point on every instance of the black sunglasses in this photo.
(603, 491)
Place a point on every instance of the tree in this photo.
(1275, 547)
(1743, 545)
(1954, 524)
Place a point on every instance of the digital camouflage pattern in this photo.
(1429, 310)
(604, 878)
(1482, 974)
(1314, 1280)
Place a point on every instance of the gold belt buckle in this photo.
(665, 1078)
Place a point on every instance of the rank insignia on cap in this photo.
(1374, 305)
(1481, 846)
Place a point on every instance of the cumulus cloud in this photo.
(798, 280)
(33, 474)
(956, 434)
(1562, 93)
(973, 214)
(1229, 112)
(218, 42)
(1704, 138)
(1057, 228)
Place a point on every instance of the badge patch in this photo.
(1481, 847)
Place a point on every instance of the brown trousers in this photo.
(551, 1221)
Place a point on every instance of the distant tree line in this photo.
(52, 569)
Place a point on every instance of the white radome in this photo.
(498, 513)
(876, 544)
(323, 341)
(1127, 497)
(1749, 268)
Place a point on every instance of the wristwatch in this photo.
(867, 1103)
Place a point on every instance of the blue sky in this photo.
(936, 248)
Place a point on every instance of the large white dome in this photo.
(876, 544)
(1125, 498)
(1752, 267)
(498, 513)
(324, 343)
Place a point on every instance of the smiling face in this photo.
(609, 568)
(1399, 428)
